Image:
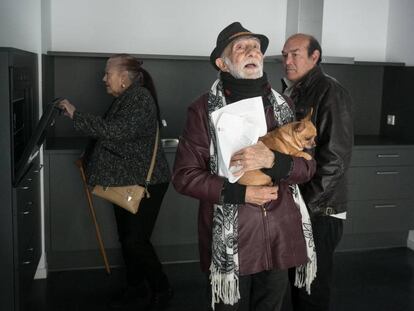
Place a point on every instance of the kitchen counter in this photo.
(375, 140)
(76, 144)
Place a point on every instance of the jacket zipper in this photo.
(266, 236)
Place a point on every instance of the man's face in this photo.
(243, 58)
(296, 61)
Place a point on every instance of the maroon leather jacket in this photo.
(269, 236)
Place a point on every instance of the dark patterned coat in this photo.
(125, 141)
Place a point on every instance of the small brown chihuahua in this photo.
(291, 138)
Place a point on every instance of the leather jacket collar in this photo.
(305, 83)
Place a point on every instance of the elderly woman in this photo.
(125, 139)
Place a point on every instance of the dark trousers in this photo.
(141, 261)
(327, 232)
(263, 291)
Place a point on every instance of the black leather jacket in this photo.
(326, 193)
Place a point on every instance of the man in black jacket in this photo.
(325, 194)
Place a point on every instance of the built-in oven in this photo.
(21, 111)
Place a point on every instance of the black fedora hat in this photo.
(231, 32)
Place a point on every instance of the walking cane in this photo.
(79, 164)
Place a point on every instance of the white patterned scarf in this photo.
(306, 273)
(224, 268)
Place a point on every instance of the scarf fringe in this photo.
(224, 287)
(306, 273)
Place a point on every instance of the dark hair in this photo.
(137, 73)
(314, 46)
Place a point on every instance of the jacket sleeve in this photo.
(135, 117)
(334, 146)
(302, 171)
(288, 169)
(191, 173)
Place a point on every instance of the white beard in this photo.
(238, 72)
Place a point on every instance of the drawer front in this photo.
(27, 265)
(27, 208)
(376, 183)
(382, 157)
(25, 192)
(382, 216)
(27, 223)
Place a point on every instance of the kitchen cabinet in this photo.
(380, 197)
(28, 233)
(71, 241)
(20, 231)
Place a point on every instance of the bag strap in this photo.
(154, 155)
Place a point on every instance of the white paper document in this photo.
(237, 125)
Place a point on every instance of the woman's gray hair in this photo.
(130, 64)
(138, 74)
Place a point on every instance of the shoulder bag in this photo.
(128, 197)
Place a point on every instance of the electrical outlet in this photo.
(391, 119)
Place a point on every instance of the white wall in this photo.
(356, 28)
(400, 45)
(45, 25)
(175, 27)
(305, 16)
(20, 24)
(21, 28)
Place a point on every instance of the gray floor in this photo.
(380, 280)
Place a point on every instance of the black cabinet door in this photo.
(19, 211)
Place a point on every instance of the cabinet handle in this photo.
(28, 205)
(385, 206)
(388, 155)
(28, 262)
(24, 188)
(387, 173)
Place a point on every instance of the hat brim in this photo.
(218, 50)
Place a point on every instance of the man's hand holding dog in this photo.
(251, 158)
(261, 194)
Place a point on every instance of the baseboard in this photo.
(92, 259)
(410, 240)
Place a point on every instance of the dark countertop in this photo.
(78, 144)
(375, 140)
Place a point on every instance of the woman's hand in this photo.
(67, 107)
(251, 158)
(261, 194)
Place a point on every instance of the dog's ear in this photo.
(299, 127)
(309, 115)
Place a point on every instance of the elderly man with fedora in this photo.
(248, 235)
